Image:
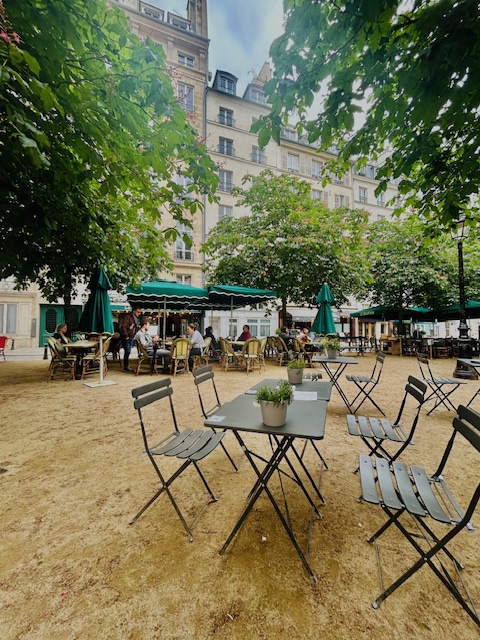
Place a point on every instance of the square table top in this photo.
(473, 362)
(304, 419)
(323, 389)
(338, 359)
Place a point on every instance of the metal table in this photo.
(334, 374)
(475, 364)
(305, 419)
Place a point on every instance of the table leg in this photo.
(334, 377)
(262, 485)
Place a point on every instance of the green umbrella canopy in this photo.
(231, 296)
(452, 312)
(324, 322)
(97, 313)
(168, 294)
(391, 313)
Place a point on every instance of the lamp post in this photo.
(460, 233)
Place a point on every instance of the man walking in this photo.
(129, 326)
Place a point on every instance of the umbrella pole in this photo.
(231, 317)
(164, 320)
(101, 382)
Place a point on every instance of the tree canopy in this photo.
(413, 67)
(92, 140)
(291, 243)
(409, 269)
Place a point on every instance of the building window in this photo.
(259, 328)
(183, 247)
(224, 211)
(381, 199)
(8, 318)
(258, 155)
(186, 94)
(257, 96)
(289, 134)
(337, 179)
(185, 60)
(176, 21)
(316, 168)
(292, 162)
(227, 85)
(225, 116)
(341, 201)
(362, 194)
(226, 146)
(148, 10)
(226, 180)
(183, 279)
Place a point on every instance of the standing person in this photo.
(196, 340)
(245, 335)
(151, 347)
(128, 328)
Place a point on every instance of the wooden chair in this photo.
(230, 357)
(61, 360)
(179, 355)
(251, 354)
(282, 351)
(145, 360)
(202, 359)
(91, 361)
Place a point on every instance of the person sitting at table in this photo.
(150, 344)
(303, 335)
(61, 334)
(196, 340)
(285, 336)
(214, 342)
(245, 335)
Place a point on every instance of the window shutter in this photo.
(302, 168)
(284, 160)
(347, 201)
(325, 198)
(337, 200)
(346, 178)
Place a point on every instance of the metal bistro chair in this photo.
(399, 490)
(436, 384)
(376, 432)
(179, 355)
(188, 446)
(366, 384)
(201, 375)
(3, 345)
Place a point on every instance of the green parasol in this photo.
(324, 322)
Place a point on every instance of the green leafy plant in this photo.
(281, 394)
(332, 344)
(296, 364)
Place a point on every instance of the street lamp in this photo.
(459, 234)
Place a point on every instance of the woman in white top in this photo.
(196, 340)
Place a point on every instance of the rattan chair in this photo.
(179, 355)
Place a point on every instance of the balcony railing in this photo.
(184, 254)
(226, 119)
(227, 150)
(259, 158)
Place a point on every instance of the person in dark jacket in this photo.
(129, 326)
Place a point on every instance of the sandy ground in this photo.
(72, 567)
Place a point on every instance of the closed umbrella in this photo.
(324, 322)
(97, 315)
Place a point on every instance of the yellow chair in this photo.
(202, 359)
(230, 357)
(251, 354)
(179, 355)
(145, 359)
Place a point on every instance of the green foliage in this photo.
(91, 142)
(290, 244)
(409, 268)
(296, 364)
(411, 67)
(281, 394)
(332, 343)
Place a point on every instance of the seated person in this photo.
(303, 335)
(286, 337)
(245, 335)
(150, 344)
(61, 334)
(196, 340)
(214, 342)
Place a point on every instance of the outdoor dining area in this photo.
(188, 511)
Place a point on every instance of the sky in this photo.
(240, 33)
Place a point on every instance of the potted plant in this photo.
(295, 371)
(332, 346)
(273, 402)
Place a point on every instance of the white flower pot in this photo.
(332, 353)
(273, 415)
(295, 376)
